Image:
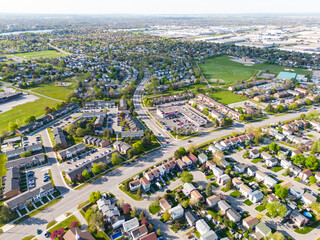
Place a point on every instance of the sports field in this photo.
(23, 111)
(60, 93)
(227, 97)
(232, 72)
(43, 54)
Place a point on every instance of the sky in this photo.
(159, 6)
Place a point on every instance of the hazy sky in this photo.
(158, 6)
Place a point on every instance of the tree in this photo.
(312, 179)
(94, 196)
(141, 215)
(276, 209)
(6, 214)
(30, 119)
(166, 216)
(13, 127)
(209, 190)
(88, 214)
(218, 157)
(126, 208)
(138, 145)
(139, 193)
(316, 208)
(133, 213)
(299, 159)
(229, 184)
(159, 233)
(96, 221)
(74, 224)
(86, 174)
(312, 162)
(185, 203)
(280, 191)
(274, 147)
(96, 168)
(276, 236)
(116, 158)
(192, 148)
(315, 147)
(186, 177)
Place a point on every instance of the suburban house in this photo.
(296, 191)
(176, 212)
(76, 233)
(150, 236)
(271, 162)
(139, 232)
(191, 218)
(250, 222)
(298, 219)
(251, 171)
(260, 176)
(117, 221)
(245, 190)
(26, 161)
(266, 155)
(216, 170)
(307, 198)
(240, 168)
(193, 158)
(122, 147)
(295, 170)
(233, 215)
(96, 141)
(285, 163)
(223, 179)
(269, 182)
(129, 225)
(134, 185)
(211, 235)
(202, 157)
(202, 227)
(187, 160)
(305, 174)
(254, 153)
(237, 182)
(262, 230)
(223, 206)
(164, 204)
(212, 200)
(145, 184)
(255, 196)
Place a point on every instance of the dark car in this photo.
(39, 231)
(168, 191)
(47, 234)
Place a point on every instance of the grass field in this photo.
(226, 97)
(65, 223)
(23, 111)
(56, 92)
(231, 72)
(3, 170)
(43, 54)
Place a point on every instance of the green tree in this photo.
(280, 191)
(30, 119)
(312, 179)
(94, 196)
(159, 233)
(166, 216)
(316, 208)
(133, 213)
(86, 174)
(312, 162)
(229, 184)
(139, 193)
(116, 158)
(299, 159)
(315, 147)
(96, 221)
(276, 236)
(185, 203)
(96, 168)
(138, 145)
(186, 177)
(209, 190)
(276, 209)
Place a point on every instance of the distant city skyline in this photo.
(159, 7)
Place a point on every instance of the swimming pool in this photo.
(307, 214)
(117, 235)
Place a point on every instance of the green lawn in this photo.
(3, 160)
(23, 111)
(248, 202)
(223, 68)
(44, 54)
(256, 160)
(65, 223)
(308, 229)
(56, 92)
(227, 97)
(235, 194)
(260, 208)
(154, 207)
(276, 169)
(232, 72)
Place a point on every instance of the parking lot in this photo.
(37, 177)
(83, 158)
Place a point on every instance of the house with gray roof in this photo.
(12, 183)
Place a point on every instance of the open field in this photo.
(226, 97)
(23, 111)
(223, 68)
(43, 54)
(56, 92)
(231, 72)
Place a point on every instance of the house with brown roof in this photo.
(305, 174)
(237, 182)
(213, 200)
(164, 204)
(250, 222)
(187, 160)
(193, 158)
(182, 165)
(134, 185)
(145, 184)
(196, 195)
(76, 234)
(150, 236)
(139, 232)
